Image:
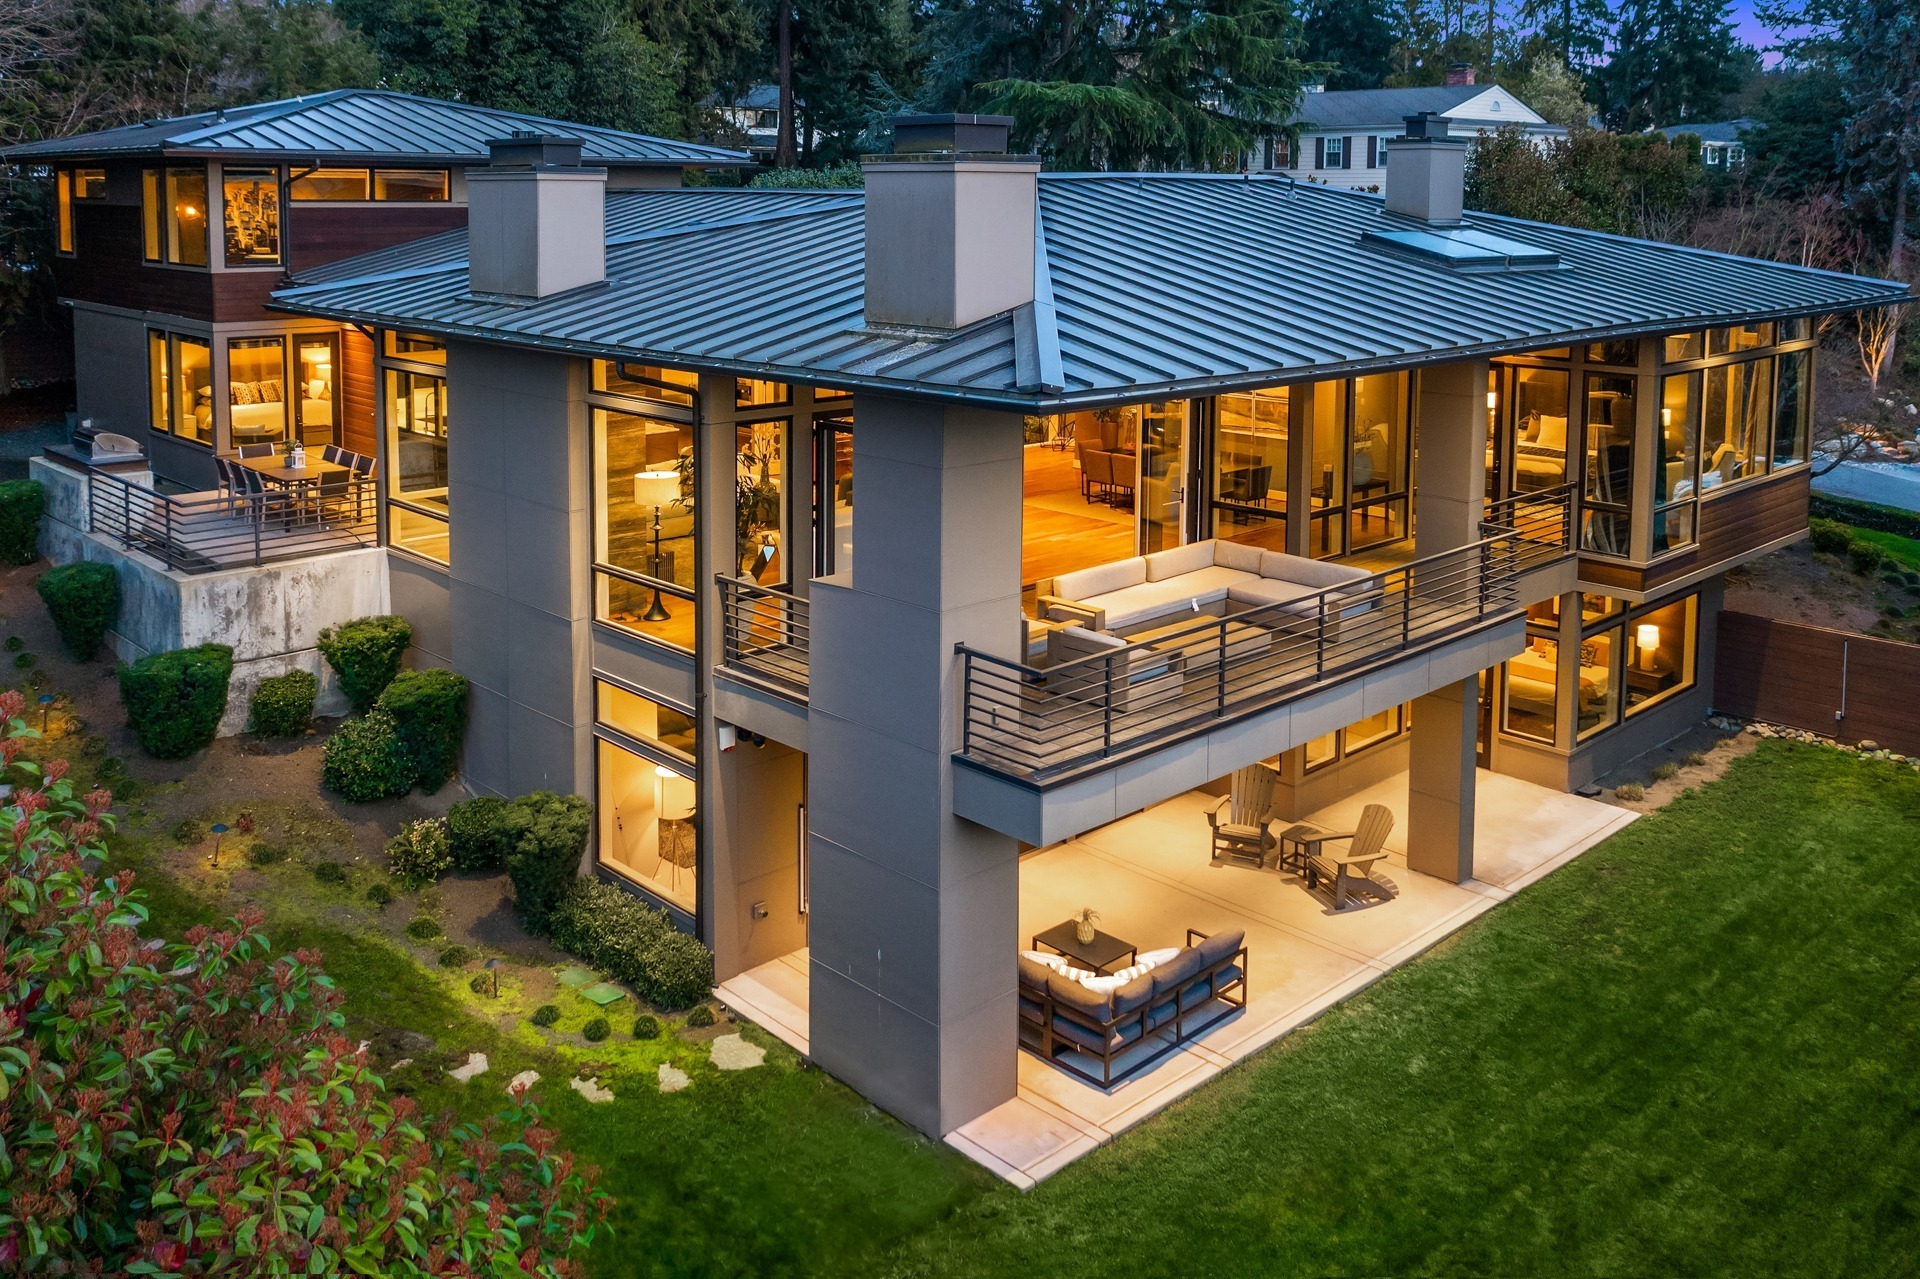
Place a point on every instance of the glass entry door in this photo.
(315, 359)
(833, 495)
(1162, 504)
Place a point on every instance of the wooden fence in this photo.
(1853, 687)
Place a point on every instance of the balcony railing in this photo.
(763, 633)
(1040, 724)
(1542, 520)
(207, 532)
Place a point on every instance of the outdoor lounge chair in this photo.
(1240, 831)
(1341, 874)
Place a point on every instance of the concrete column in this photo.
(1451, 415)
(1440, 781)
(914, 912)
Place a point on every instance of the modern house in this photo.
(1024, 536)
(172, 234)
(1722, 142)
(1341, 138)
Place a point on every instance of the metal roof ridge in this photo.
(745, 219)
(1046, 316)
(258, 113)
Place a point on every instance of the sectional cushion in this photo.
(1101, 579)
(1181, 559)
(1237, 555)
(1318, 574)
(1033, 973)
(1258, 591)
(1092, 1040)
(1220, 945)
(1135, 993)
(1149, 600)
(1176, 970)
(1094, 1004)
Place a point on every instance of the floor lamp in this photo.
(656, 489)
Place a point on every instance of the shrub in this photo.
(1666, 771)
(1829, 536)
(700, 1018)
(1865, 557)
(1882, 519)
(1696, 759)
(483, 831)
(364, 760)
(608, 928)
(283, 705)
(545, 1015)
(429, 710)
(379, 894)
(15, 643)
(1630, 791)
(175, 700)
(263, 853)
(677, 971)
(418, 854)
(24, 661)
(365, 653)
(423, 928)
(480, 983)
(189, 830)
(84, 602)
(545, 860)
(596, 1030)
(646, 1026)
(21, 505)
(330, 872)
(455, 956)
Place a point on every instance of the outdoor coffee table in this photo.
(1202, 646)
(1103, 952)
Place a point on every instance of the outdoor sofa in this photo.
(1212, 576)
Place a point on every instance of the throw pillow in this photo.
(243, 392)
(1105, 985)
(1589, 655)
(270, 392)
(1149, 958)
(1056, 962)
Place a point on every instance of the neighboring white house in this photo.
(1343, 136)
(1722, 142)
(757, 115)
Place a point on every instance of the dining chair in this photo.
(335, 454)
(255, 450)
(227, 486)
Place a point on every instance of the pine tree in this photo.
(1356, 36)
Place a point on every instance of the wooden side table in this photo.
(1097, 956)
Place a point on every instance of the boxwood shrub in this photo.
(364, 760)
(483, 831)
(609, 929)
(676, 971)
(545, 861)
(84, 602)
(175, 700)
(21, 504)
(595, 1030)
(429, 710)
(1829, 536)
(283, 704)
(365, 653)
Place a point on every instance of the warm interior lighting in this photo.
(1493, 399)
(1666, 417)
(656, 488)
(1647, 636)
(663, 772)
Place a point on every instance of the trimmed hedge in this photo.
(1829, 536)
(677, 971)
(282, 706)
(545, 860)
(365, 760)
(84, 602)
(22, 502)
(175, 700)
(1881, 519)
(483, 831)
(609, 929)
(429, 710)
(365, 653)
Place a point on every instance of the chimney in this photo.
(536, 219)
(1459, 73)
(1428, 176)
(950, 223)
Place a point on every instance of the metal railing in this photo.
(763, 632)
(1542, 520)
(207, 532)
(1039, 724)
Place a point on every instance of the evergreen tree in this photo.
(1671, 61)
(1356, 37)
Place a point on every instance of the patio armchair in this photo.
(1343, 874)
(1239, 820)
(1128, 671)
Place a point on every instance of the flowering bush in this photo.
(418, 854)
(193, 1109)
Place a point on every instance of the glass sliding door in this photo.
(1382, 463)
(1250, 451)
(317, 401)
(1162, 485)
(257, 390)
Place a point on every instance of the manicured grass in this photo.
(1904, 551)
(1690, 1052)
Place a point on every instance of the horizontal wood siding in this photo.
(1732, 527)
(1801, 676)
(107, 267)
(356, 392)
(327, 233)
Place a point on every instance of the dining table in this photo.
(295, 481)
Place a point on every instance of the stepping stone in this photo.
(731, 1052)
(592, 1091)
(672, 1080)
(523, 1081)
(577, 977)
(604, 993)
(476, 1065)
(401, 1064)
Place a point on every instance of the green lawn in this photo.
(1903, 551)
(1694, 1051)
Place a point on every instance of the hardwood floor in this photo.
(1062, 531)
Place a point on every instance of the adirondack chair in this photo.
(1239, 820)
(1352, 871)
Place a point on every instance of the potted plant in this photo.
(1083, 923)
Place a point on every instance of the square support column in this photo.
(913, 911)
(1440, 781)
(1452, 420)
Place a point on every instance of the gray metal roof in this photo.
(1148, 285)
(361, 124)
(1716, 131)
(1384, 108)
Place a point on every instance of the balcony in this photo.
(763, 635)
(209, 532)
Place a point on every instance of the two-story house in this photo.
(171, 235)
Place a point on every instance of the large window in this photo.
(646, 382)
(257, 390)
(353, 185)
(1736, 429)
(1673, 479)
(1606, 516)
(318, 399)
(760, 501)
(1792, 407)
(1660, 662)
(833, 495)
(649, 823)
(251, 200)
(1344, 743)
(70, 185)
(1532, 680)
(417, 438)
(180, 383)
(175, 210)
(1750, 412)
(1539, 449)
(644, 523)
(1382, 460)
(1250, 467)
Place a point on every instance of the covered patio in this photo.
(1150, 877)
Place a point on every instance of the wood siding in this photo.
(318, 234)
(108, 269)
(1732, 526)
(357, 393)
(1803, 676)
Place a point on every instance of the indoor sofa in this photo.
(1213, 576)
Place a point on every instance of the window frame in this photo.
(605, 736)
(170, 343)
(370, 176)
(63, 212)
(161, 240)
(599, 405)
(277, 177)
(288, 425)
(1333, 152)
(385, 366)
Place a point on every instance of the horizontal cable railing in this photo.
(764, 632)
(1040, 723)
(207, 532)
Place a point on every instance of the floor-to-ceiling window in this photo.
(833, 494)
(644, 490)
(1629, 659)
(1606, 522)
(647, 794)
(180, 385)
(1380, 476)
(257, 390)
(317, 401)
(1250, 451)
(417, 437)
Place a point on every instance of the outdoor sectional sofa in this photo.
(1066, 1022)
(1213, 576)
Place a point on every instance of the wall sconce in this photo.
(1647, 636)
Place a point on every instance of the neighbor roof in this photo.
(361, 124)
(1146, 285)
(1375, 108)
(1717, 131)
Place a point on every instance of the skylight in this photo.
(1461, 248)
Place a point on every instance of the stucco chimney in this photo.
(1428, 176)
(1459, 73)
(950, 223)
(536, 219)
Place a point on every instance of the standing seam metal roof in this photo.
(1160, 284)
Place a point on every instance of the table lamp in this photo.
(1647, 636)
(656, 489)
